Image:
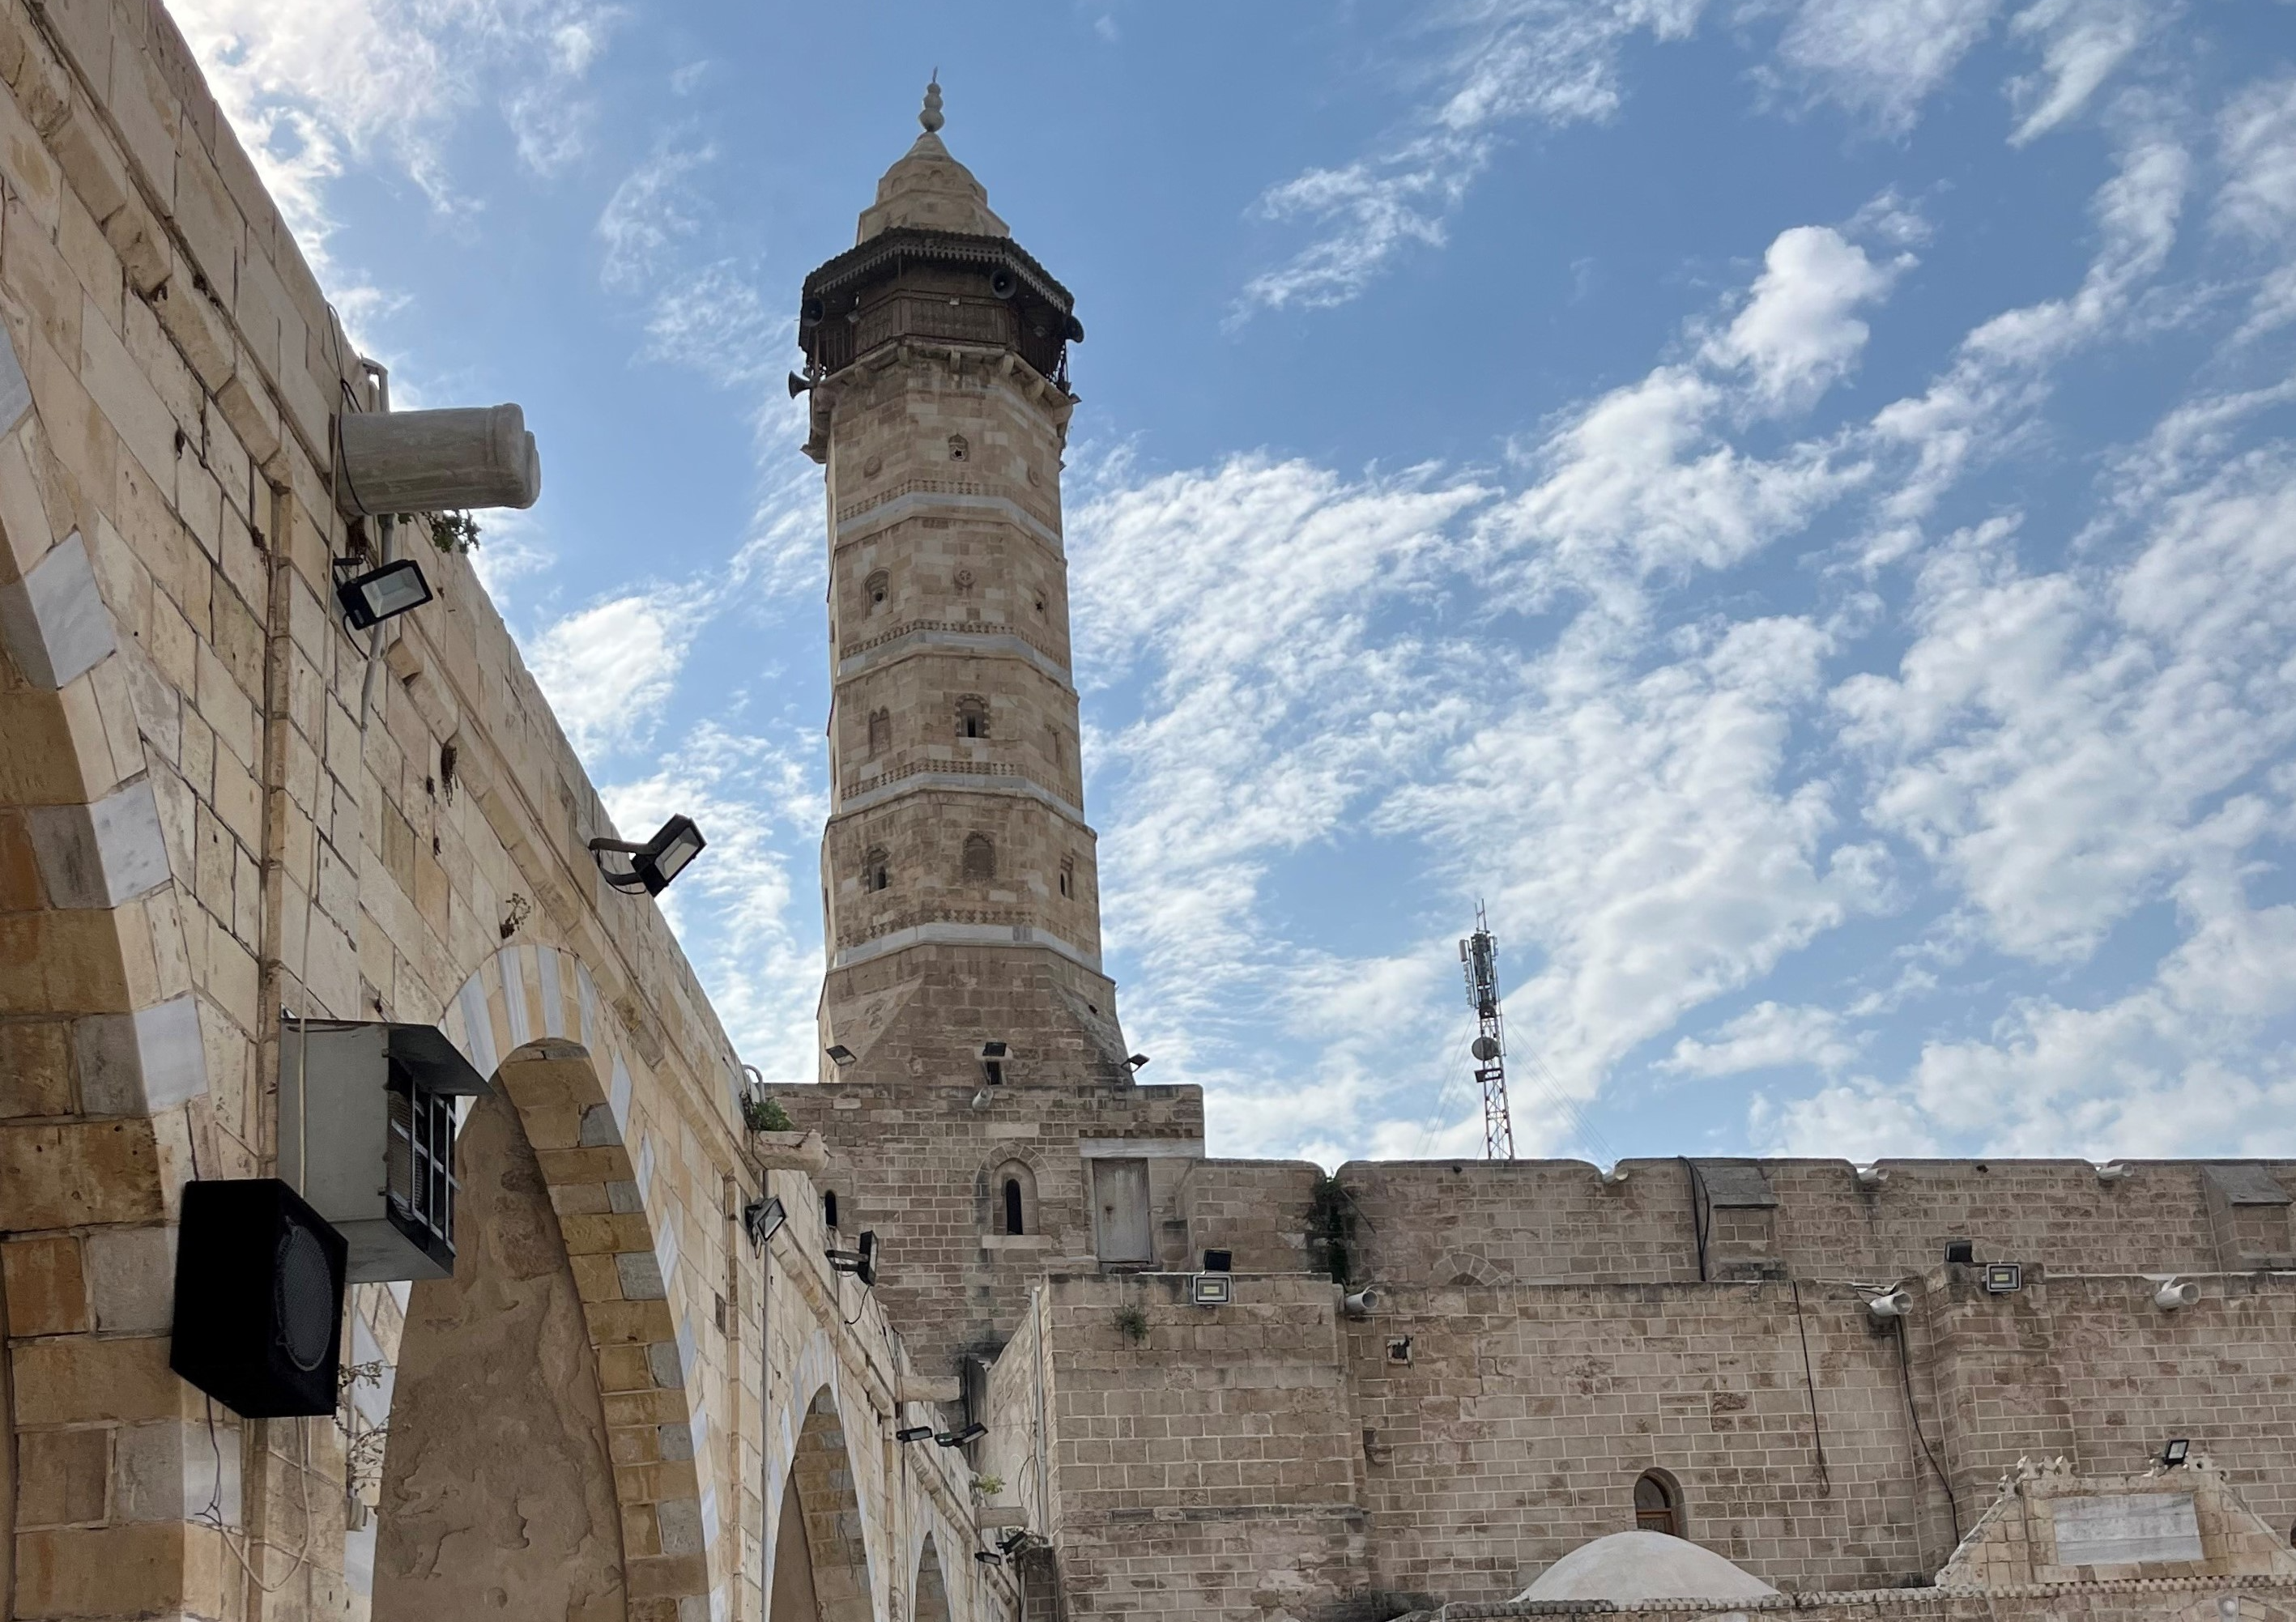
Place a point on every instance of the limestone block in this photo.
(171, 1469)
(149, 119)
(131, 404)
(67, 1176)
(246, 404)
(127, 1570)
(91, 165)
(100, 854)
(54, 621)
(47, 1292)
(140, 1064)
(65, 1477)
(131, 1275)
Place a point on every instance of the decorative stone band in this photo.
(939, 498)
(964, 776)
(622, 1241)
(955, 934)
(959, 628)
(973, 643)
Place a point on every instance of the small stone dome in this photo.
(1626, 1567)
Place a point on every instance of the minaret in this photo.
(960, 899)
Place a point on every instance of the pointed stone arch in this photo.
(529, 1017)
(823, 1563)
(929, 1586)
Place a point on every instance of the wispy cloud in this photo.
(2082, 43)
(1548, 62)
(1879, 59)
(315, 85)
(610, 669)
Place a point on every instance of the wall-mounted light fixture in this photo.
(2175, 1452)
(840, 1055)
(656, 862)
(382, 594)
(2003, 1278)
(761, 1219)
(2174, 1297)
(1888, 1308)
(988, 1557)
(1211, 1288)
(862, 1264)
(914, 1433)
(1138, 1062)
(958, 1438)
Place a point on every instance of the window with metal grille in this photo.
(419, 1162)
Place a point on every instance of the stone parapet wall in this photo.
(1550, 1220)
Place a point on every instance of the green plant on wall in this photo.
(1328, 1239)
(449, 531)
(766, 1114)
(1132, 1324)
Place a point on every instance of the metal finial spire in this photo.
(931, 116)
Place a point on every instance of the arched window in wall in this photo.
(1068, 875)
(1013, 1188)
(972, 715)
(979, 857)
(829, 1207)
(880, 730)
(878, 588)
(1658, 1505)
(876, 869)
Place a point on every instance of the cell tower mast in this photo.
(1478, 954)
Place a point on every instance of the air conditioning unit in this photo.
(367, 1114)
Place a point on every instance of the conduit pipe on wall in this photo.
(437, 461)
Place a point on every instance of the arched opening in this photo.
(930, 1587)
(497, 1477)
(973, 717)
(1658, 1505)
(876, 869)
(979, 857)
(1068, 876)
(1014, 1210)
(878, 587)
(880, 730)
(821, 1561)
(829, 1208)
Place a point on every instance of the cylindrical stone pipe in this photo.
(437, 461)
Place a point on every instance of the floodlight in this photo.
(2003, 1278)
(2174, 1453)
(913, 1433)
(861, 1264)
(988, 1557)
(958, 1438)
(382, 593)
(1961, 1251)
(994, 1050)
(762, 1219)
(840, 1055)
(2173, 1296)
(654, 863)
(1137, 1060)
(1211, 1290)
(1897, 1304)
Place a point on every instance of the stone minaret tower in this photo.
(960, 899)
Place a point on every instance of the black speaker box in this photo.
(258, 1298)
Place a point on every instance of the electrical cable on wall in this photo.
(1905, 1368)
(1810, 1381)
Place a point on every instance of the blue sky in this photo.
(1792, 502)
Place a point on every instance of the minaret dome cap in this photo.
(929, 189)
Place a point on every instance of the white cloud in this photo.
(311, 85)
(652, 211)
(2082, 42)
(1881, 58)
(1797, 335)
(2056, 742)
(608, 670)
(1859, 1121)
(2257, 131)
(1542, 61)
(1767, 1037)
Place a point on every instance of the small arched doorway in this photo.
(1658, 1505)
